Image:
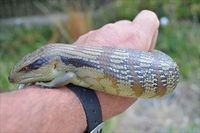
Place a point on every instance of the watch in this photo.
(92, 108)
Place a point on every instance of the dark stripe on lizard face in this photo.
(78, 62)
(39, 62)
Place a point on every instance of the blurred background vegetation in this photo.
(22, 29)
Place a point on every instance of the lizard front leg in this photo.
(62, 80)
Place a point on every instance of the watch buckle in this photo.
(98, 128)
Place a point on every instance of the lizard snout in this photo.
(11, 79)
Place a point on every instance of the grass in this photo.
(15, 42)
(181, 41)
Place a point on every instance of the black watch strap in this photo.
(91, 106)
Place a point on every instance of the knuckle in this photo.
(108, 26)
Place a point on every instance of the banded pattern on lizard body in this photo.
(117, 71)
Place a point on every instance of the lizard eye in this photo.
(24, 69)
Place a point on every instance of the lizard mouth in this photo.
(24, 85)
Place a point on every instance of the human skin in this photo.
(59, 110)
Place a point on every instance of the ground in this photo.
(179, 112)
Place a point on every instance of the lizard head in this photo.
(39, 65)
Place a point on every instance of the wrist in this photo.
(68, 111)
(42, 110)
(113, 105)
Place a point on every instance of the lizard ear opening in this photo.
(54, 66)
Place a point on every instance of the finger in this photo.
(123, 22)
(111, 34)
(145, 25)
(83, 38)
(105, 36)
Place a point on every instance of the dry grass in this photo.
(77, 23)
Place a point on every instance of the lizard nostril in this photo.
(10, 79)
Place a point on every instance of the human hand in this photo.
(141, 33)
